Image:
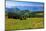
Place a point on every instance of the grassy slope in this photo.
(24, 24)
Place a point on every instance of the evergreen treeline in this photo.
(23, 14)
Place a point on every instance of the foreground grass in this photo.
(29, 23)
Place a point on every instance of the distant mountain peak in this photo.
(17, 9)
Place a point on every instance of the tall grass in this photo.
(29, 23)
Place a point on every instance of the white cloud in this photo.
(10, 4)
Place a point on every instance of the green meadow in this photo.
(29, 23)
(32, 20)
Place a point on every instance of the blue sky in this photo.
(34, 6)
(29, 6)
